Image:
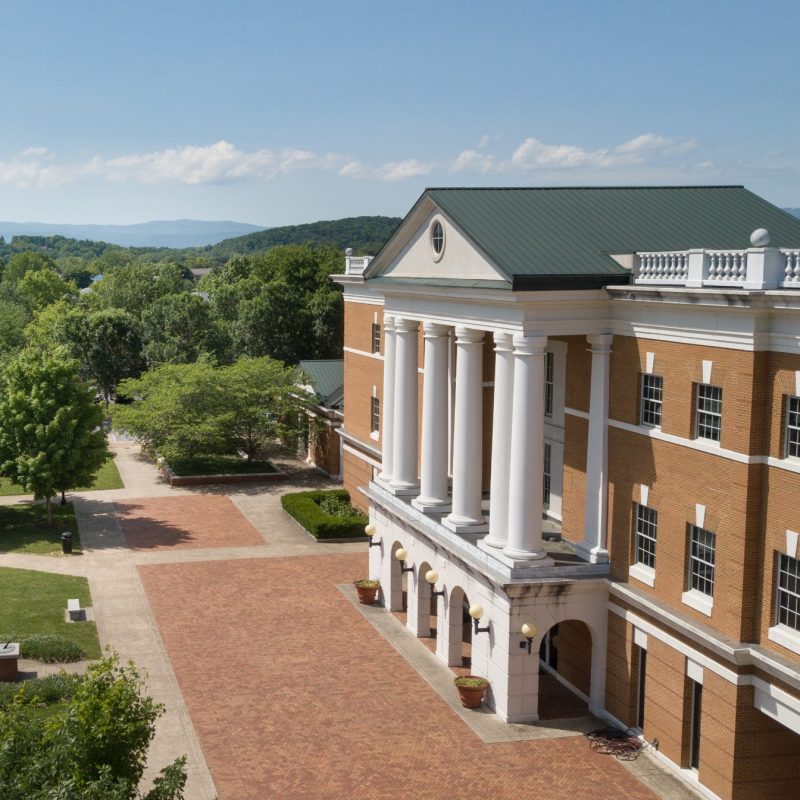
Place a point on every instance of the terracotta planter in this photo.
(366, 594)
(471, 696)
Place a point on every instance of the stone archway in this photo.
(565, 670)
(396, 596)
(423, 612)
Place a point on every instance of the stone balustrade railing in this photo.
(754, 268)
(355, 265)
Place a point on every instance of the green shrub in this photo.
(46, 691)
(306, 508)
(471, 682)
(47, 647)
(335, 506)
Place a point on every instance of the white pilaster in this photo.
(467, 463)
(404, 446)
(501, 439)
(387, 400)
(593, 547)
(435, 453)
(525, 504)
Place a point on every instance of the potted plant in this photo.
(367, 589)
(470, 690)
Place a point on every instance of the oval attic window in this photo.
(437, 238)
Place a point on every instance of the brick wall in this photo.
(621, 686)
(356, 472)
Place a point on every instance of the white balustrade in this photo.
(355, 265)
(756, 268)
(792, 269)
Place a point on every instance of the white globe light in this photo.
(760, 237)
(401, 554)
(476, 612)
(370, 530)
(431, 576)
(529, 631)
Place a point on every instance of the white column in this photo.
(435, 455)
(593, 546)
(387, 400)
(404, 446)
(467, 433)
(501, 439)
(525, 503)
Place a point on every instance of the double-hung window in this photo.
(702, 551)
(645, 542)
(376, 337)
(549, 367)
(375, 418)
(546, 474)
(792, 436)
(708, 411)
(650, 405)
(787, 606)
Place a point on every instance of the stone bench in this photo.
(76, 613)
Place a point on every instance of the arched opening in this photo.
(454, 633)
(565, 671)
(427, 608)
(396, 598)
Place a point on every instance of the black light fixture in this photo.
(528, 631)
(432, 576)
(476, 612)
(400, 555)
(371, 532)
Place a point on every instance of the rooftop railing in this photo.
(355, 265)
(754, 268)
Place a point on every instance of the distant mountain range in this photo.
(793, 211)
(159, 233)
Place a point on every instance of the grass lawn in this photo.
(34, 602)
(24, 529)
(220, 465)
(107, 478)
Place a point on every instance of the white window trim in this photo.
(698, 601)
(785, 636)
(643, 574)
(786, 429)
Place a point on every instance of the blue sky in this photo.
(281, 113)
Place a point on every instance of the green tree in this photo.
(177, 329)
(184, 411)
(135, 287)
(21, 263)
(174, 410)
(50, 426)
(13, 318)
(38, 289)
(94, 747)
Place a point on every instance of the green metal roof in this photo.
(561, 237)
(327, 378)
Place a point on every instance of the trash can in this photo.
(66, 542)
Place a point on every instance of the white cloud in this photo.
(472, 161)
(392, 171)
(533, 154)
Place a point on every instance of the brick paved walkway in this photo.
(194, 521)
(295, 695)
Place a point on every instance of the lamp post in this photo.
(529, 632)
(401, 555)
(432, 576)
(476, 612)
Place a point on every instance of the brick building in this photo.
(579, 410)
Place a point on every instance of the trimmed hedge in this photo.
(305, 508)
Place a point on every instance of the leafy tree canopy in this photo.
(37, 289)
(50, 435)
(177, 329)
(135, 287)
(184, 411)
(93, 747)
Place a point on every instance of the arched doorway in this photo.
(396, 598)
(454, 633)
(565, 671)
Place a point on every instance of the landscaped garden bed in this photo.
(24, 529)
(32, 606)
(326, 515)
(219, 469)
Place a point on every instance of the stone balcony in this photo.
(564, 563)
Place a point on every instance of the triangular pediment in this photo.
(411, 254)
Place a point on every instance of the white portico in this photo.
(480, 526)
